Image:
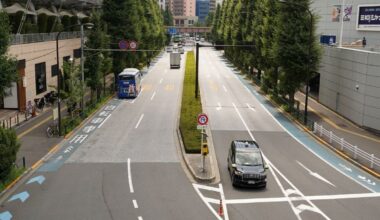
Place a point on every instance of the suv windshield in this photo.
(248, 158)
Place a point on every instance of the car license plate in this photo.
(251, 182)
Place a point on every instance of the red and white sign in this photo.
(133, 45)
(202, 119)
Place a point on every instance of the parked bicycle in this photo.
(51, 98)
(52, 130)
(40, 103)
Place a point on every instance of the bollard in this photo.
(10, 122)
(372, 159)
(23, 162)
(18, 119)
(355, 151)
(321, 131)
(342, 144)
(331, 134)
(315, 127)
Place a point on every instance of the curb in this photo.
(190, 168)
(320, 140)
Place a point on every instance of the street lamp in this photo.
(59, 78)
(308, 54)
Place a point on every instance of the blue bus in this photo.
(129, 82)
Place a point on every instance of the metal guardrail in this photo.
(341, 144)
(17, 39)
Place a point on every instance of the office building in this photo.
(202, 10)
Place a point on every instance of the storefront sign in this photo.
(368, 18)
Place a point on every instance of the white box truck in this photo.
(175, 60)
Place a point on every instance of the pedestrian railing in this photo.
(42, 37)
(364, 158)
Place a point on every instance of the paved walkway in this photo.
(342, 127)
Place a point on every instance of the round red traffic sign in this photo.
(133, 45)
(202, 119)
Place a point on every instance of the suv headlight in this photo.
(238, 172)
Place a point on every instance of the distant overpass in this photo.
(181, 29)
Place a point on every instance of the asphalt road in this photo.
(123, 164)
(300, 185)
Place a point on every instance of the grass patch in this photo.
(190, 109)
(14, 174)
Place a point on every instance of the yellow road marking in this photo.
(34, 127)
(147, 87)
(169, 87)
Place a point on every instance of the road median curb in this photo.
(192, 162)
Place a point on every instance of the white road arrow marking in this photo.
(219, 107)
(369, 181)
(250, 107)
(291, 191)
(345, 167)
(304, 207)
(316, 175)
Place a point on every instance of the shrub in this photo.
(9, 146)
(190, 109)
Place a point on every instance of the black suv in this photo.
(246, 164)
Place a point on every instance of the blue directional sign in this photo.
(5, 216)
(172, 31)
(38, 179)
(21, 196)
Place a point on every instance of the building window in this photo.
(54, 70)
(40, 69)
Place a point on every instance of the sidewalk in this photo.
(341, 127)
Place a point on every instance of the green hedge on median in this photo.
(190, 109)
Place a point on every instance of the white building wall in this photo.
(34, 53)
(326, 26)
(350, 84)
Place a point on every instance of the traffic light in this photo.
(204, 149)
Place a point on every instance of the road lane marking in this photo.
(166, 70)
(345, 167)
(205, 187)
(161, 80)
(245, 125)
(130, 176)
(250, 107)
(205, 202)
(225, 89)
(135, 204)
(23, 196)
(316, 175)
(297, 198)
(223, 198)
(153, 96)
(101, 124)
(321, 158)
(140, 218)
(273, 169)
(138, 123)
(219, 107)
(78, 139)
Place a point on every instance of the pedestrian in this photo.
(364, 42)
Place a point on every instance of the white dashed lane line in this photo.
(135, 204)
(153, 96)
(130, 176)
(138, 123)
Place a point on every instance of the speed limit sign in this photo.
(133, 45)
(202, 119)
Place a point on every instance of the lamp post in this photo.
(59, 78)
(308, 54)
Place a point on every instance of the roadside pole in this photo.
(202, 123)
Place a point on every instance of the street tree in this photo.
(73, 86)
(8, 70)
(95, 60)
(292, 47)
